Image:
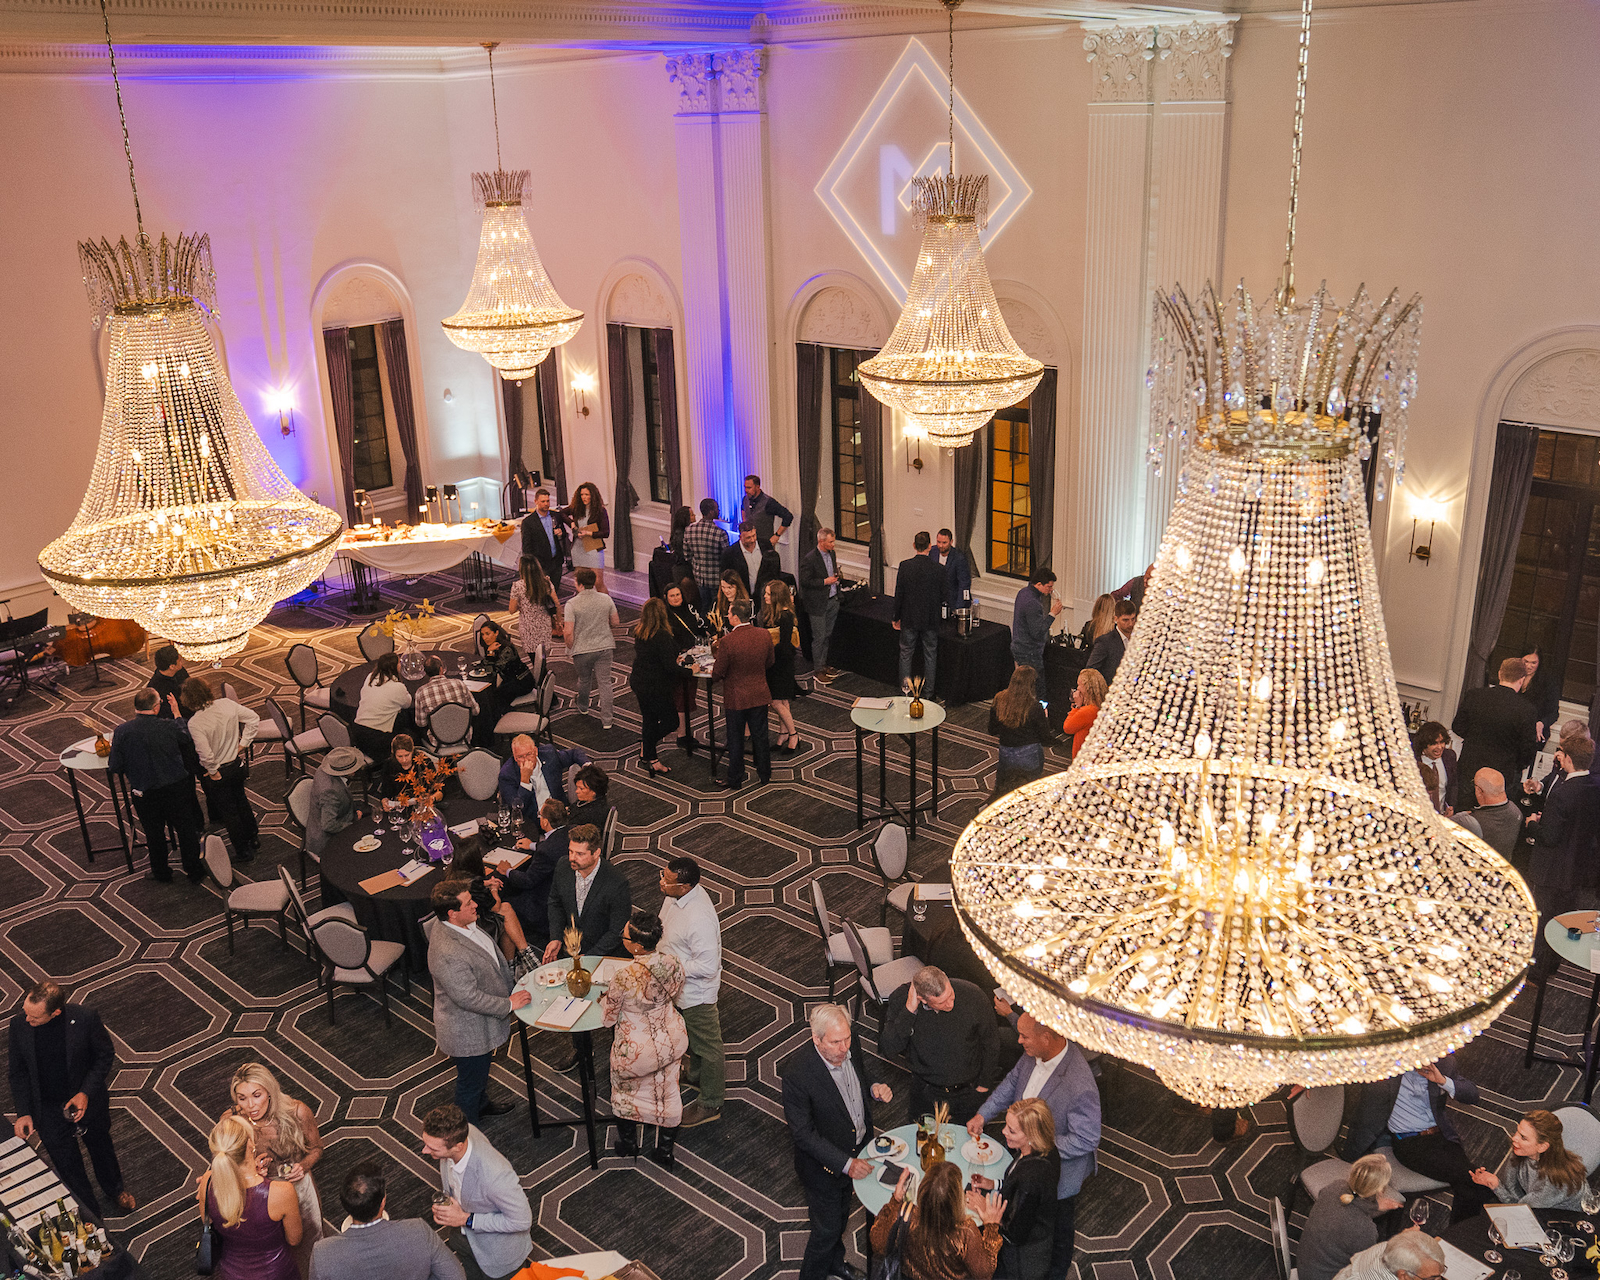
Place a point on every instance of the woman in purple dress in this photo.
(256, 1220)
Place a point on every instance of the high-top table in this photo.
(874, 1193)
(1575, 951)
(582, 1033)
(81, 758)
(897, 720)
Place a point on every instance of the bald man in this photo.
(1498, 818)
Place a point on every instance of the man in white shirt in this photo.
(223, 731)
(690, 931)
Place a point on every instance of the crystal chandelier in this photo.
(188, 526)
(1240, 881)
(950, 363)
(512, 317)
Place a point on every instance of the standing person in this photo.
(919, 594)
(332, 806)
(372, 1247)
(1028, 1225)
(168, 681)
(473, 996)
(650, 1040)
(689, 629)
(1054, 1070)
(590, 616)
(435, 691)
(222, 731)
(1018, 720)
(819, 592)
(288, 1146)
(256, 1219)
(1438, 765)
(384, 708)
(777, 616)
(1564, 833)
(706, 541)
(1087, 700)
(743, 656)
(1340, 1224)
(509, 679)
(1134, 588)
(591, 526)
(770, 517)
(1499, 821)
(1101, 619)
(754, 561)
(1541, 692)
(655, 680)
(946, 1029)
(957, 570)
(827, 1104)
(487, 1202)
(1109, 650)
(1032, 616)
(537, 606)
(59, 1057)
(157, 757)
(942, 1242)
(591, 892)
(1498, 729)
(690, 931)
(545, 539)
(730, 590)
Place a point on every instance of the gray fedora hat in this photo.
(342, 761)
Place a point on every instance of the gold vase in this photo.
(916, 710)
(578, 979)
(932, 1152)
(102, 748)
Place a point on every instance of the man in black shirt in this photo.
(158, 759)
(919, 597)
(60, 1056)
(168, 681)
(947, 1031)
(1500, 730)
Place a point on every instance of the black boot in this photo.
(627, 1144)
(666, 1140)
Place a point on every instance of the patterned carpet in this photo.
(1167, 1202)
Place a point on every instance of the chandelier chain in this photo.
(494, 101)
(951, 10)
(127, 147)
(1286, 292)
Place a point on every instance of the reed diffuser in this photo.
(102, 747)
(933, 1149)
(578, 978)
(914, 686)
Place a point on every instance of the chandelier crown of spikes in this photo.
(131, 277)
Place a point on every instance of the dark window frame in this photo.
(1017, 546)
(850, 522)
(655, 443)
(369, 448)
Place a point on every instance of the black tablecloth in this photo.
(938, 940)
(1472, 1238)
(972, 667)
(395, 915)
(1062, 665)
(345, 692)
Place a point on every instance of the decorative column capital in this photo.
(724, 80)
(695, 77)
(1194, 61)
(1122, 55)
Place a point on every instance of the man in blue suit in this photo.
(535, 774)
(1054, 1070)
(957, 570)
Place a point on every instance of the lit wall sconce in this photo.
(582, 385)
(281, 402)
(1431, 511)
(914, 432)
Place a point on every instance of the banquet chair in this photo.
(449, 726)
(297, 805)
(1314, 1119)
(250, 898)
(336, 732)
(889, 852)
(880, 981)
(836, 948)
(306, 919)
(296, 746)
(479, 771)
(537, 664)
(1280, 1242)
(351, 958)
(1580, 1134)
(374, 642)
(303, 670)
(567, 780)
(267, 732)
(608, 833)
(530, 714)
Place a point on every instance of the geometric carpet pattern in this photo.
(1166, 1204)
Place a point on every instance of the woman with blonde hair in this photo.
(1101, 620)
(1028, 1225)
(1341, 1223)
(1086, 701)
(1542, 1173)
(256, 1220)
(777, 616)
(287, 1144)
(941, 1241)
(1018, 720)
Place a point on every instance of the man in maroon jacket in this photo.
(743, 656)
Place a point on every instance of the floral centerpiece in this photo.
(422, 785)
(400, 626)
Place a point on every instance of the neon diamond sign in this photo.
(868, 186)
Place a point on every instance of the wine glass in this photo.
(1498, 1241)
(1418, 1211)
(1590, 1200)
(1565, 1249)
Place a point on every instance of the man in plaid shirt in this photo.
(706, 541)
(439, 690)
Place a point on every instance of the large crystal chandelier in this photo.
(188, 526)
(513, 316)
(951, 363)
(1240, 881)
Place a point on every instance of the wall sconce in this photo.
(911, 432)
(582, 385)
(281, 402)
(1431, 511)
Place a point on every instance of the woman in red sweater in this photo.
(1086, 700)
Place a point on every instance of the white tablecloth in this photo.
(434, 548)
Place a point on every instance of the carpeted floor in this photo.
(1166, 1203)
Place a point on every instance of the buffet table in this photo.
(416, 550)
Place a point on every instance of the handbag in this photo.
(889, 1264)
(205, 1253)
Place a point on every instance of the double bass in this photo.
(111, 638)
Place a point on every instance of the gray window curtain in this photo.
(872, 454)
(392, 333)
(622, 443)
(969, 488)
(336, 342)
(1042, 467)
(511, 404)
(553, 447)
(1514, 448)
(809, 360)
(667, 375)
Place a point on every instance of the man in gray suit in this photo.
(472, 996)
(486, 1200)
(373, 1248)
(1053, 1070)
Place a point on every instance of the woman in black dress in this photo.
(654, 680)
(688, 630)
(1028, 1227)
(511, 679)
(777, 616)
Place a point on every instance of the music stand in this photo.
(13, 630)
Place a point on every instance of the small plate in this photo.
(366, 844)
(899, 1148)
(550, 979)
(981, 1154)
